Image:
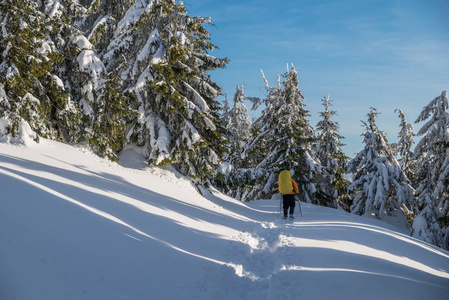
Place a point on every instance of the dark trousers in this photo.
(289, 202)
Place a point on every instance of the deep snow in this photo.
(74, 226)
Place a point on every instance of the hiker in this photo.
(287, 187)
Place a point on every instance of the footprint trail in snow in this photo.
(266, 255)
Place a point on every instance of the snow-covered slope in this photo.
(74, 226)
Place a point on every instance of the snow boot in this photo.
(291, 217)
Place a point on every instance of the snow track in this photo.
(320, 253)
(73, 226)
(266, 249)
(265, 254)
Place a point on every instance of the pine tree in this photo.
(284, 139)
(85, 78)
(111, 119)
(105, 112)
(380, 186)
(61, 16)
(225, 109)
(432, 224)
(100, 20)
(167, 65)
(238, 126)
(32, 91)
(332, 185)
(404, 145)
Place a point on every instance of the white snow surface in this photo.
(75, 226)
(81, 42)
(134, 13)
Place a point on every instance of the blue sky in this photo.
(385, 54)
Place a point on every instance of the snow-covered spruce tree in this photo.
(85, 77)
(167, 65)
(63, 15)
(245, 183)
(225, 109)
(331, 184)
(238, 126)
(404, 145)
(284, 139)
(111, 117)
(32, 91)
(381, 188)
(432, 224)
(101, 19)
(105, 111)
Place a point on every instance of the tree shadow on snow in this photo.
(135, 214)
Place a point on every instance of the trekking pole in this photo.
(299, 205)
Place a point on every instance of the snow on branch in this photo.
(197, 99)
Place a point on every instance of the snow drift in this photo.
(74, 226)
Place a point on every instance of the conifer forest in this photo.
(113, 74)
